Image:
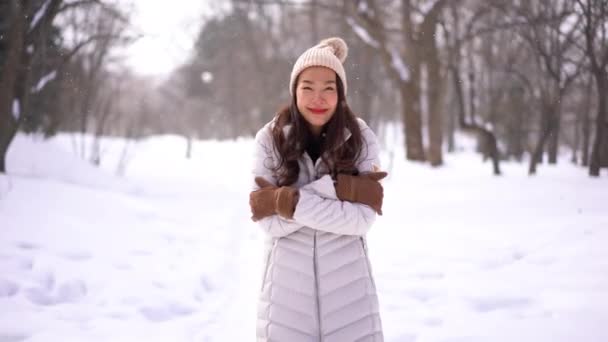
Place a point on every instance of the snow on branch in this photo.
(363, 8)
(427, 6)
(362, 33)
(399, 65)
(43, 81)
(39, 14)
(16, 109)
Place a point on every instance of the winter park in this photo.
(304, 170)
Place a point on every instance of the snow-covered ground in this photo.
(168, 252)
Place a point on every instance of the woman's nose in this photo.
(318, 97)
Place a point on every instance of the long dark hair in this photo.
(338, 155)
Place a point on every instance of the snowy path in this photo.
(458, 256)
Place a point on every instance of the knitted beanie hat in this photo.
(329, 53)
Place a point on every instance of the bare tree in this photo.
(412, 47)
(595, 17)
(9, 115)
(455, 39)
(550, 30)
(30, 23)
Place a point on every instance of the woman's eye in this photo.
(330, 88)
(307, 88)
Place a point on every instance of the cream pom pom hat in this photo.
(329, 53)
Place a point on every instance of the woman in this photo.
(317, 193)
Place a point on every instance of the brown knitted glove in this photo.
(365, 189)
(270, 200)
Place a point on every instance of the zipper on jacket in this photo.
(314, 258)
(369, 264)
(267, 265)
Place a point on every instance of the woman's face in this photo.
(317, 96)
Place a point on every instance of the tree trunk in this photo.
(410, 90)
(472, 95)
(600, 124)
(553, 145)
(434, 89)
(577, 139)
(451, 129)
(459, 93)
(16, 41)
(435, 86)
(430, 58)
(545, 131)
(586, 127)
(517, 135)
(410, 100)
(453, 72)
(487, 136)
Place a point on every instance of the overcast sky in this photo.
(169, 29)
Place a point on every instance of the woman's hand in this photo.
(365, 189)
(270, 200)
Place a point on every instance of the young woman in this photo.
(316, 195)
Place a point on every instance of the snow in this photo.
(426, 6)
(168, 252)
(207, 77)
(44, 81)
(362, 33)
(362, 8)
(399, 65)
(16, 109)
(39, 14)
(396, 60)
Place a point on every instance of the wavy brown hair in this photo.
(338, 155)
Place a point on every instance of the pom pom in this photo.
(338, 46)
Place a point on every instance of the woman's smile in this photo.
(318, 111)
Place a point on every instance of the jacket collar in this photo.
(287, 129)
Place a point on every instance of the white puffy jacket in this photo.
(317, 283)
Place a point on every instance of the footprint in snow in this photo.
(77, 255)
(497, 303)
(71, 291)
(421, 295)
(39, 296)
(46, 280)
(27, 245)
(123, 266)
(433, 321)
(206, 284)
(165, 312)
(13, 338)
(140, 252)
(17, 262)
(117, 315)
(542, 260)
(8, 288)
(502, 261)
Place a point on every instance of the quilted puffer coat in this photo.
(317, 283)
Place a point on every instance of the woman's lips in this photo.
(318, 110)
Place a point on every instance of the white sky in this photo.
(169, 29)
